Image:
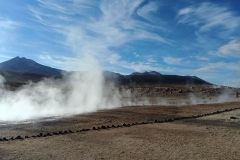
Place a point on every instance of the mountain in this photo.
(150, 78)
(146, 73)
(20, 70)
(23, 64)
(110, 74)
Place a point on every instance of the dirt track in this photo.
(209, 137)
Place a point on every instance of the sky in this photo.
(184, 37)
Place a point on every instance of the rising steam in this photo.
(74, 94)
(77, 93)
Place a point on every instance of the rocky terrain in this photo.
(169, 130)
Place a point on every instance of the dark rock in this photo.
(18, 137)
(5, 139)
(49, 134)
(85, 130)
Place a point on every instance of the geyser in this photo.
(77, 93)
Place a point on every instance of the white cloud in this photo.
(202, 58)
(233, 83)
(116, 60)
(4, 57)
(232, 47)
(184, 11)
(60, 62)
(142, 66)
(210, 67)
(7, 29)
(172, 60)
(220, 67)
(207, 16)
(136, 55)
(147, 11)
(150, 60)
(102, 25)
(108, 28)
(64, 8)
(113, 59)
(8, 24)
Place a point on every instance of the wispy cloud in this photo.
(202, 58)
(211, 67)
(63, 7)
(137, 66)
(220, 67)
(150, 60)
(148, 11)
(61, 62)
(136, 55)
(3, 57)
(230, 82)
(6, 23)
(96, 27)
(221, 73)
(229, 50)
(114, 58)
(233, 47)
(207, 16)
(7, 28)
(172, 60)
(96, 35)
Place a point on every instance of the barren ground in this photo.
(214, 136)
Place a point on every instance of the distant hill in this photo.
(146, 73)
(20, 70)
(152, 78)
(23, 77)
(111, 74)
(161, 79)
(18, 64)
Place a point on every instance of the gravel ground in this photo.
(214, 136)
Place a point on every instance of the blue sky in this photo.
(184, 37)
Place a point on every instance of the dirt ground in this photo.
(200, 131)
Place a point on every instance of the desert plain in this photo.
(180, 122)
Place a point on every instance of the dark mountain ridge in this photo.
(23, 64)
(161, 79)
(22, 70)
(153, 77)
(146, 73)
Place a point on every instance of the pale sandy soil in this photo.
(209, 137)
